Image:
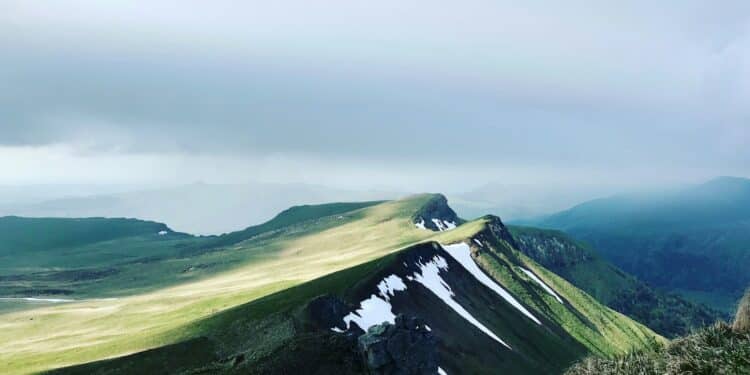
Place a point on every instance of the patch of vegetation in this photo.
(742, 318)
(290, 216)
(666, 313)
(718, 349)
(693, 240)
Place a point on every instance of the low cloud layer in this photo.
(390, 93)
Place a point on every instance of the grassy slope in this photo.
(270, 321)
(602, 330)
(718, 349)
(27, 243)
(668, 314)
(693, 241)
(95, 258)
(261, 265)
(52, 337)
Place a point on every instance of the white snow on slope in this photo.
(390, 285)
(162, 232)
(541, 283)
(420, 224)
(462, 253)
(376, 310)
(441, 371)
(430, 278)
(372, 311)
(449, 224)
(478, 242)
(439, 224)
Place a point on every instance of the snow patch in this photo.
(439, 224)
(430, 278)
(449, 224)
(420, 224)
(372, 311)
(462, 253)
(542, 284)
(376, 310)
(427, 328)
(162, 232)
(478, 242)
(441, 371)
(390, 285)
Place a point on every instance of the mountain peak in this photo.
(435, 214)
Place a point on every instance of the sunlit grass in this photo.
(67, 334)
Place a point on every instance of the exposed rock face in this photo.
(328, 311)
(405, 347)
(550, 251)
(437, 209)
(498, 229)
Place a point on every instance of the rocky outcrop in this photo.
(550, 249)
(436, 215)
(327, 311)
(406, 347)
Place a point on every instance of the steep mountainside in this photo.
(488, 308)
(467, 283)
(668, 314)
(694, 241)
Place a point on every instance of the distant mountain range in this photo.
(694, 240)
(196, 208)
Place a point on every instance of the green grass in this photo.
(50, 337)
(602, 330)
(265, 327)
(713, 350)
(694, 239)
(666, 313)
(717, 349)
(256, 274)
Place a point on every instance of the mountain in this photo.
(718, 349)
(694, 241)
(301, 292)
(53, 258)
(667, 314)
(518, 201)
(195, 208)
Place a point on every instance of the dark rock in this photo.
(436, 208)
(238, 360)
(327, 311)
(403, 348)
(498, 229)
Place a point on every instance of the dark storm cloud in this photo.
(581, 84)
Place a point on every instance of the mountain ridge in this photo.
(277, 266)
(673, 239)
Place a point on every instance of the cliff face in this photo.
(436, 215)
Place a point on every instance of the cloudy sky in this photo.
(397, 94)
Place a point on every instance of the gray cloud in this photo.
(582, 85)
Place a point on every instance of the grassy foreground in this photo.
(718, 349)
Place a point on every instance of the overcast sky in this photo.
(404, 94)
